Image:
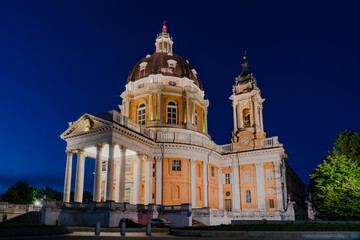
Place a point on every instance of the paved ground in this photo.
(113, 236)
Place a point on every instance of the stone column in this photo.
(148, 180)
(206, 122)
(79, 178)
(117, 181)
(221, 198)
(205, 181)
(158, 180)
(193, 110)
(158, 96)
(150, 106)
(235, 187)
(67, 182)
(251, 109)
(284, 184)
(110, 173)
(192, 174)
(138, 179)
(127, 102)
(261, 118)
(241, 119)
(98, 171)
(235, 116)
(187, 109)
(122, 174)
(279, 191)
(256, 113)
(260, 185)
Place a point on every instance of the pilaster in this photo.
(260, 185)
(279, 191)
(192, 176)
(158, 180)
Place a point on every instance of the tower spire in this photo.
(245, 76)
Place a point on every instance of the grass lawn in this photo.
(279, 227)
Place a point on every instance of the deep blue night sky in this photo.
(60, 59)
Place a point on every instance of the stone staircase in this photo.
(27, 218)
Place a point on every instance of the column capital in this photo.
(258, 164)
(158, 159)
(99, 146)
(122, 148)
(80, 150)
(192, 161)
(234, 166)
(277, 163)
(158, 91)
(234, 104)
(220, 169)
(69, 152)
(139, 155)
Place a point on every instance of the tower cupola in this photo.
(164, 42)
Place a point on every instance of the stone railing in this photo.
(177, 137)
(271, 142)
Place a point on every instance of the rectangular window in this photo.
(247, 176)
(271, 202)
(153, 196)
(103, 167)
(127, 195)
(228, 204)
(227, 178)
(269, 175)
(248, 196)
(176, 165)
(128, 166)
(212, 171)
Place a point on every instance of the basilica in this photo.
(155, 150)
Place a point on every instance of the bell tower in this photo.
(247, 110)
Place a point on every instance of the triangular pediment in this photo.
(85, 124)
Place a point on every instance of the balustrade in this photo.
(182, 137)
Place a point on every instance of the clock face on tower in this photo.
(245, 141)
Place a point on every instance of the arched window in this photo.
(248, 196)
(246, 117)
(141, 113)
(196, 118)
(172, 113)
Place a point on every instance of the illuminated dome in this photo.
(167, 64)
(164, 62)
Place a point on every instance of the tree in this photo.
(20, 193)
(348, 143)
(49, 193)
(336, 188)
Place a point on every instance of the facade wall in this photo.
(248, 185)
(175, 184)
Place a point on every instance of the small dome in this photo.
(167, 64)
